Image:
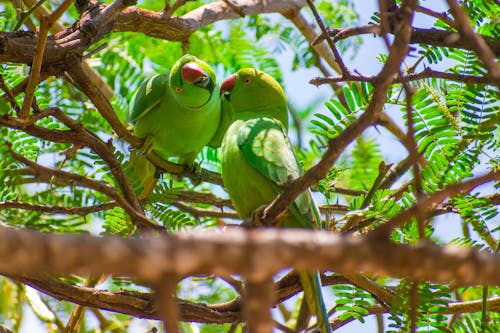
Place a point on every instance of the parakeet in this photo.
(176, 113)
(257, 160)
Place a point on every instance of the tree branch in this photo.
(336, 146)
(25, 252)
(434, 37)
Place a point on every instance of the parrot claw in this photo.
(146, 147)
(193, 171)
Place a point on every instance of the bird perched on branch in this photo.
(176, 114)
(258, 159)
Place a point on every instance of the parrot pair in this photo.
(179, 113)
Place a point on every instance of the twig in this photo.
(440, 16)
(170, 10)
(435, 37)
(425, 74)
(81, 211)
(199, 212)
(319, 20)
(46, 23)
(417, 176)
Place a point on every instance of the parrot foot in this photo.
(147, 146)
(193, 171)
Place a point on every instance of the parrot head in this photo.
(193, 81)
(254, 91)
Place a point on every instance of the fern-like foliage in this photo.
(329, 126)
(352, 302)
(432, 304)
(171, 218)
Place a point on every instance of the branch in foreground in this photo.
(149, 258)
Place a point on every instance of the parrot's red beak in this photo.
(228, 84)
(193, 74)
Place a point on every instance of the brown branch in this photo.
(141, 305)
(434, 37)
(337, 145)
(198, 197)
(58, 27)
(98, 21)
(429, 202)
(440, 16)
(425, 74)
(25, 252)
(336, 53)
(4, 329)
(167, 305)
(77, 180)
(81, 211)
(200, 212)
(478, 43)
(258, 300)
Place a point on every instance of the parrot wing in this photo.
(148, 96)
(267, 148)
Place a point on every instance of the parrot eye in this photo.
(247, 81)
(179, 89)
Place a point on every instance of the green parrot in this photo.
(177, 114)
(257, 160)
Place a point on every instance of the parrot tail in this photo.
(311, 283)
(145, 171)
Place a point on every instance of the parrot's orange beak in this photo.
(228, 84)
(193, 74)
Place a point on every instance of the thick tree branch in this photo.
(25, 252)
(142, 305)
